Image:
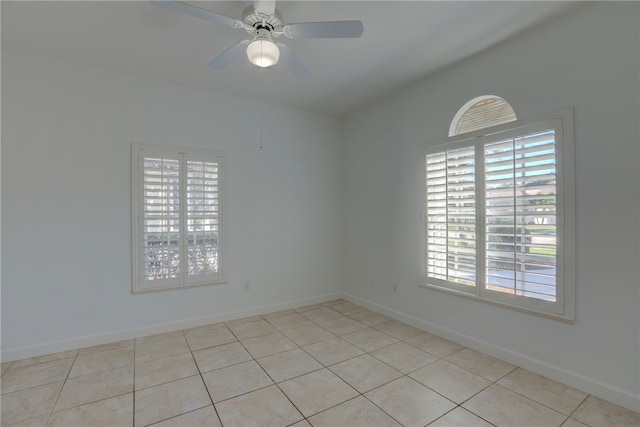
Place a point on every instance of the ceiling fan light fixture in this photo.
(262, 52)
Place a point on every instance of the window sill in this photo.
(137, 291)
(545, 314)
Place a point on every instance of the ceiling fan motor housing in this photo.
(257, 22)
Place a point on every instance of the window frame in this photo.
(462, 112)
(138, 152)
(564, 307)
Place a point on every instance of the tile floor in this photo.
(331, 364)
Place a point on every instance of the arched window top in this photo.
(481, 112)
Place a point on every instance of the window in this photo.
(177, 217)
(499, 215)
(480, 113)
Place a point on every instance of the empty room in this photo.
(320, 213)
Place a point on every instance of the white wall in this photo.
(66, 255)
(587, 59)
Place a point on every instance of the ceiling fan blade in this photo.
(265, 7)
(198, 12)
(291, 61)
(324, 30)
(223, 60)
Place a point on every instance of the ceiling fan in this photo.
(263, 22)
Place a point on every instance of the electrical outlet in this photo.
(246, 287)
(395, 288)
(373, 284)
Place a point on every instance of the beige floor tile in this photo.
(409, 402)
(596, 412)
(265, 407)
(169, 400)
(370, 318)
(101, 361)
(277, 314)
(242, 320)
(289, 364)
(32, 422)
(4, 366)
(369, 339)
(342, 325)
(253, 329)
(500, 406)
(204, 417)
(29, 403)
(347, 308)
(334, 302)
(309, 335)
(355, 412)
(104, 347)
(46, 358)
(434, 344)
(398, 330)
(199, 338)
(333, 351)
(365, 372)
(207, 327)
(268, 344)
(365, 312)
(154, 372)
(317, 391)
(170, 391)
(449, 380)
(308, 307)
(157, 337)
(480, 364)
(235, 380)
(573, 423)
(15, 379)
(114, 411)
(550, 393)
(221, 356)
(321, 314)
(403, 357)
(94, 387)
(161, 348)
(289, 322)
(459, 417)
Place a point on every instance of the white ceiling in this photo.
(403, 42)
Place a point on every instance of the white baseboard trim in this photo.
(572, 379)
(106, 338)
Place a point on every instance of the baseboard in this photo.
(98, 339)
(572, 379)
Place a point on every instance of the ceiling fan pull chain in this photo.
(261, 107)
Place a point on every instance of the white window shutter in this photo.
(451, 216)
(499, 212)
(161, 217)
(203, 217)
(520, 215)
(178, 233)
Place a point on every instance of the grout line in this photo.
(540, 403)
(179, 415)
(62, 388)
(576, 409)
